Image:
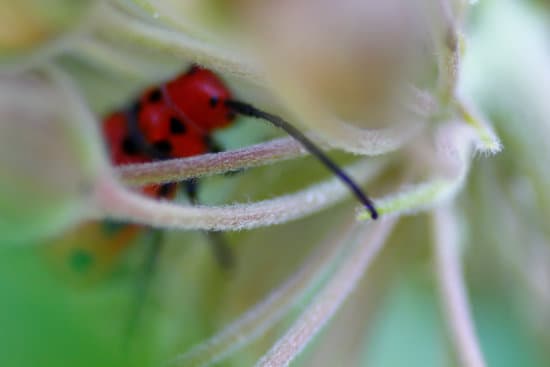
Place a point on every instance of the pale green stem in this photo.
(209, 164)
(452, 288)
(455, 141)
(263, 316)
(117, 202)
(490, 143)
(330, 298)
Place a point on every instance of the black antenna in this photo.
(251, 111)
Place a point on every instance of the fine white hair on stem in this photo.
(454, 145)
(209, 164)
(452, 289)
(488, 143)
(330, 298)
(454, 141)
(115, 23)
(264, 315)
(115, 201)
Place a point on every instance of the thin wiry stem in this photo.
(455, 142)
(208, 164)
(115, 201)
(246, 109)
(114, 23)
(331, 297)
(453, 290)
(263, 316)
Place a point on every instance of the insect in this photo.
(167, 122)
(163, 122)
(176, 120)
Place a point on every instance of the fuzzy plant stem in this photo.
(452, 288)
(329, 300)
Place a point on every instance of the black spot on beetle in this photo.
(155, 96)
(163, 146)
(176, 126)
(129, 146)
(136, 107)
(213, 102)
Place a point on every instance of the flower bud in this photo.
(348, 59)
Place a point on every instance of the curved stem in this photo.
(264, 315)
(455, 142)
(115, 201)
(251, 111)
(209, 164)
(453, 291)
(489, 142)
(331, 297)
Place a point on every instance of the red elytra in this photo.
(123, 151)
(121, 148)
(199, 96)
(167, 131)
(175, 120)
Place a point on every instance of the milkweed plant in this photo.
(440, 109)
